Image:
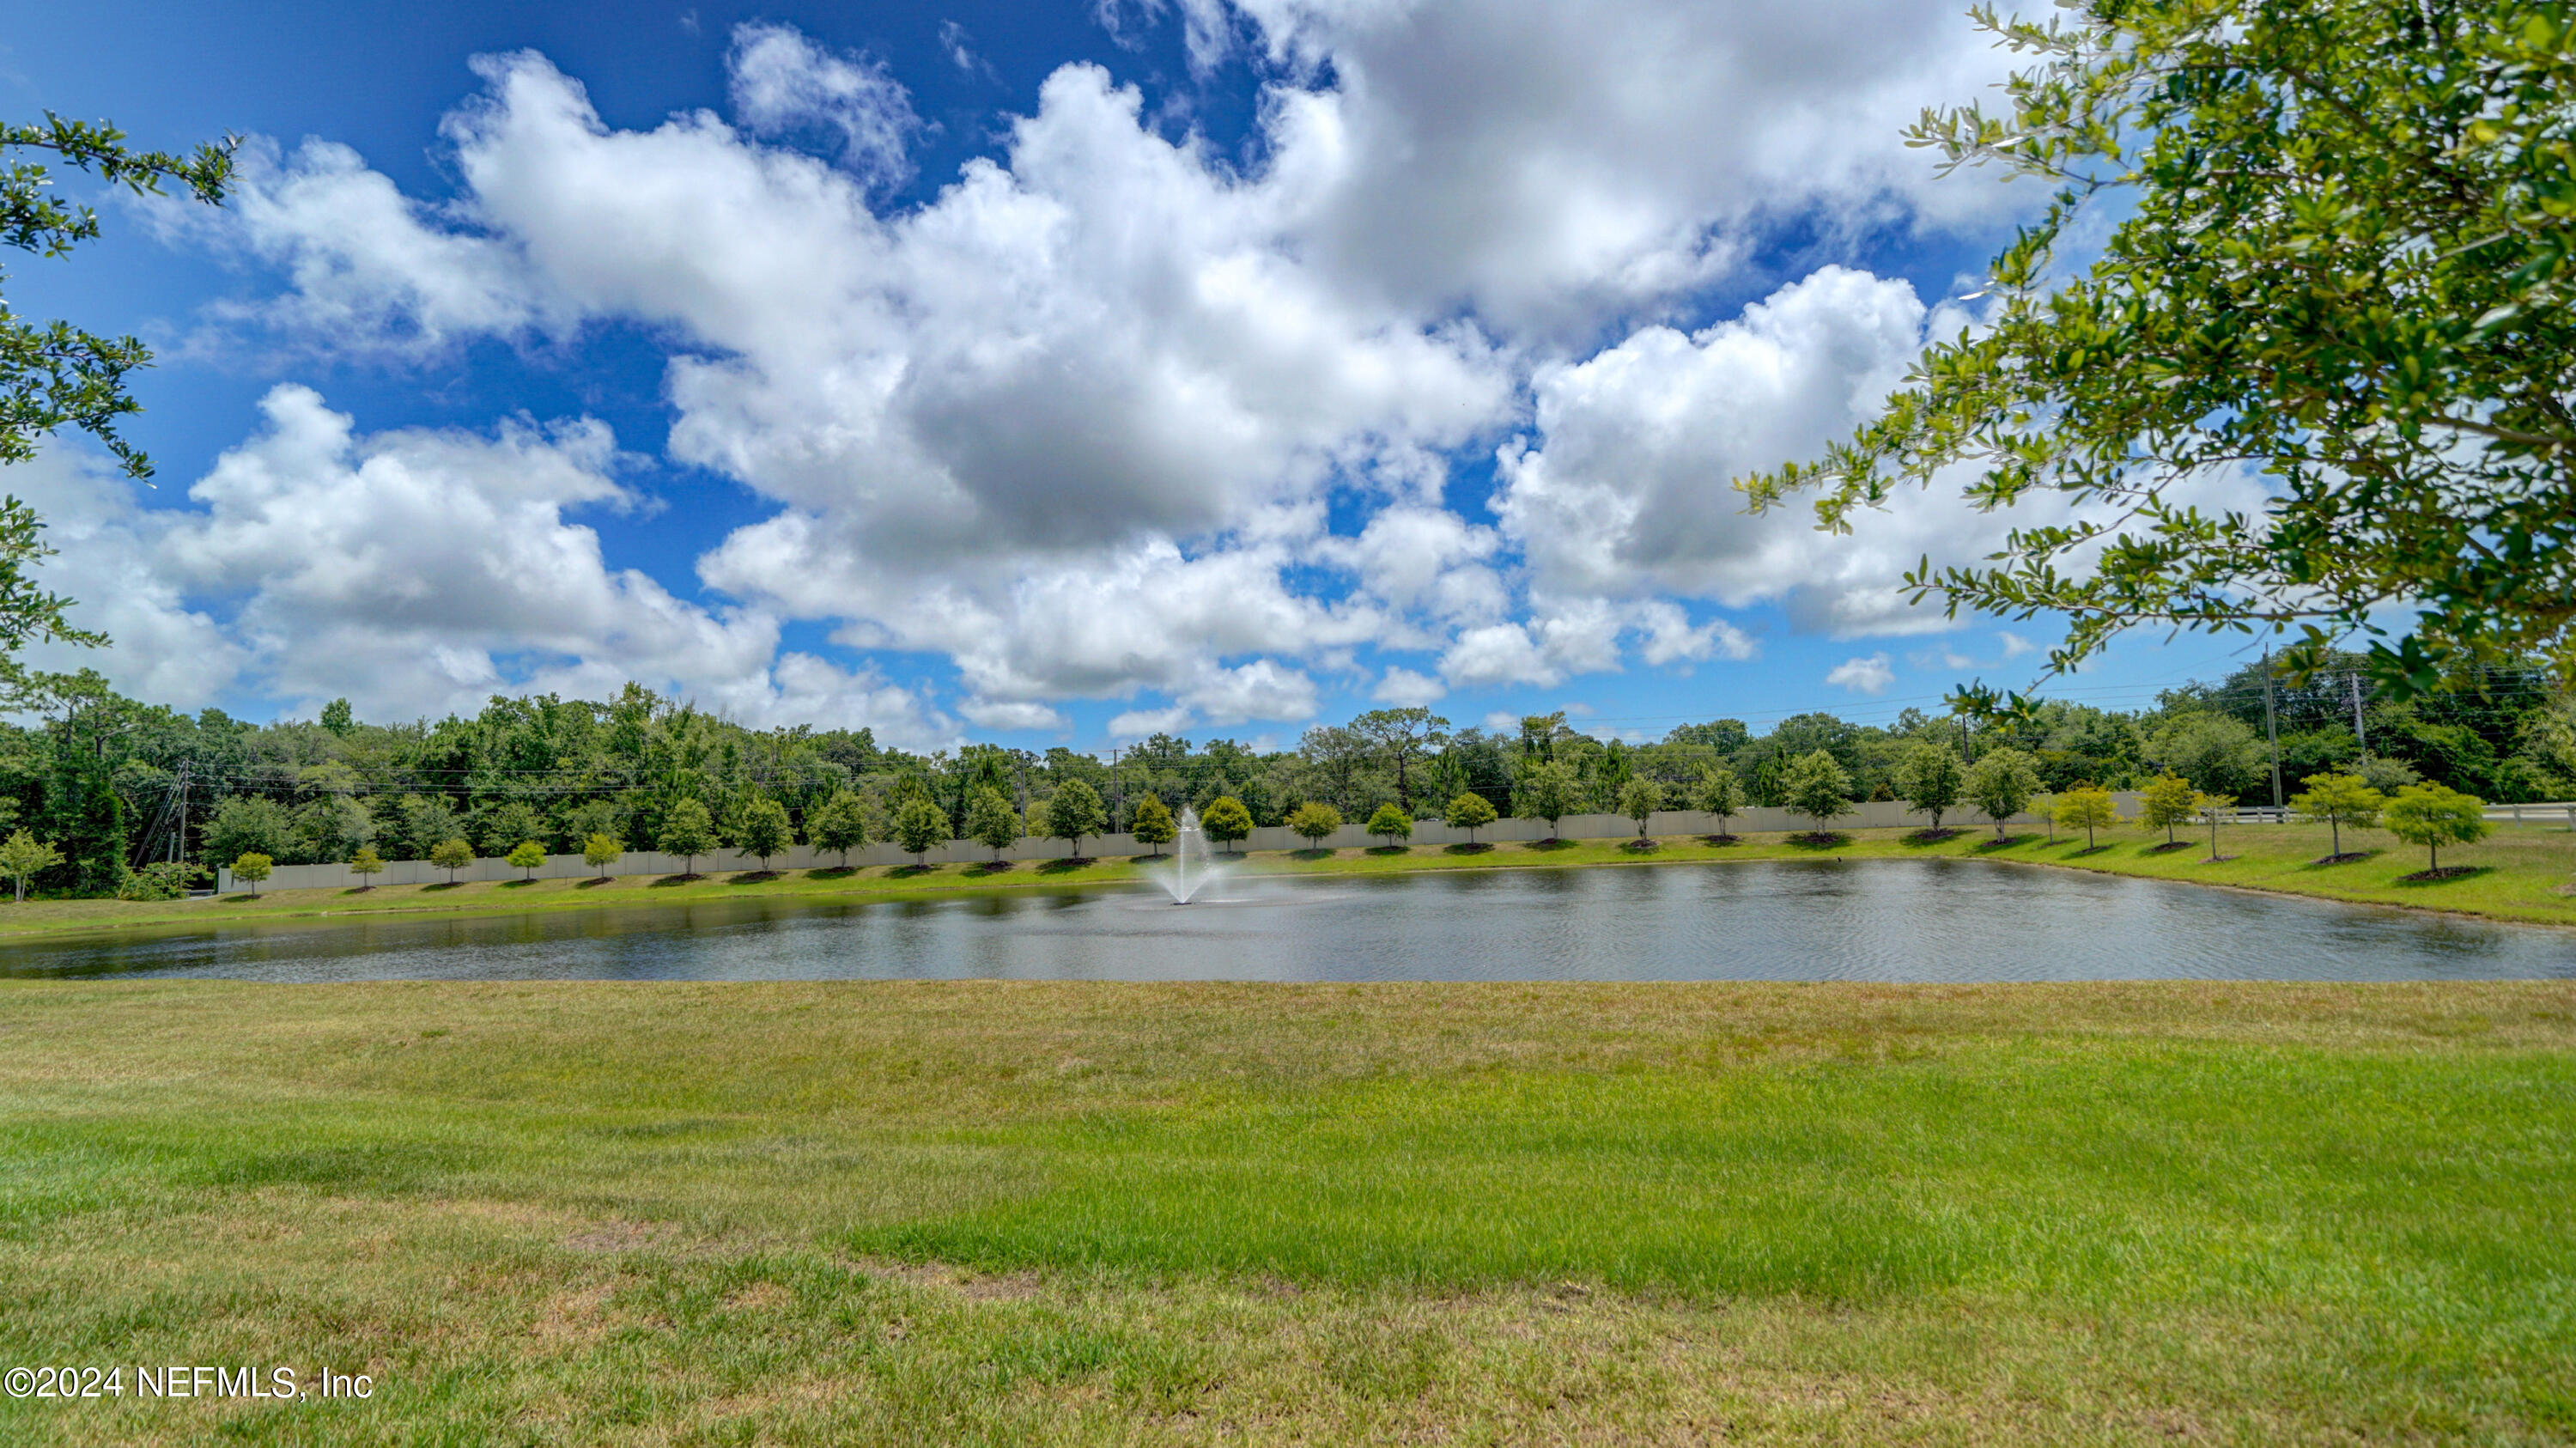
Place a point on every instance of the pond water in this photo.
(1910, 920)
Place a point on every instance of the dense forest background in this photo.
(118, 784)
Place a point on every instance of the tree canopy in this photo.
(2341, 264)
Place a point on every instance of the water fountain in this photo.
(1190, 869)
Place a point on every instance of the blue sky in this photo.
(1041, 375)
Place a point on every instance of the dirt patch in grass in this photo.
(605, 1237)
(942, 1277)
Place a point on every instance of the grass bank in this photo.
(2516, 874)
(987, 1213)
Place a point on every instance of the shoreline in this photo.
(2517, 873)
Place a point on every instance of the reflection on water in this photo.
(1911, 920)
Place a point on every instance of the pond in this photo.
(1912, 920)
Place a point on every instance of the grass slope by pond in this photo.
(986, 1213)
(2515, 874)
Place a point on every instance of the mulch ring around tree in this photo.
(1820, 840)
(1719, 841)
(1642, 847)
(2447, 872)
(2167, 848)
(2346, 858)
(1934, 837)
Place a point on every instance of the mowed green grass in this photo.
(2518, 873)
(1006, 1213)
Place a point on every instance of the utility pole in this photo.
(2272, 726)
(2358, 731)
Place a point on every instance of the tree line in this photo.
(137, 798)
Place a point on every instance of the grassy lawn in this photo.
(2517, 875)
(980, 1213)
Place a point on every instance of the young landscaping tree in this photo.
(1470, 811)
(601, 851)
(1391, 824)
(990, 820)
(1315, 822)
(688, 832)
(253, 867)
(526, 857)
(22, 854)
(1817, 787)
(1638, 800)
(2087, 809)
(763, 831)
(1548, 791)
(366, 865)
(451, 856)
(2336, 800)
(1227, 822)
(1929, 778)
(2167, 801)
(2334, 245)
(2213, 809)
(919, 824)
(1075, 811)
(2433, 816)
(1720, 794)
(839, 824)
(2000, 785)
(1153, 824)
